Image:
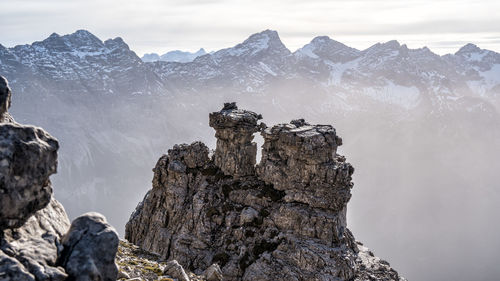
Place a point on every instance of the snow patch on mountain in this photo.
(308, 51)
(405, 97)
(488, 80)
(267, 69)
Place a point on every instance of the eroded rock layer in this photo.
(284, 219)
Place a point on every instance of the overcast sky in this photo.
(164, 25)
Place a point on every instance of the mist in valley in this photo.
(425, 193)
(421, 131)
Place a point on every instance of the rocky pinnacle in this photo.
(234, 129)
(284, 219)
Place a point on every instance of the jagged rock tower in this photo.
(234, 129)
(284, 219)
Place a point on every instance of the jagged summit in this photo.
(325, 48)
(256, 222)
(468, 48)
(267, 41)
(174, 56)
(79, 40)
(379, 48)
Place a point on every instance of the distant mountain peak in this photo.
(79, 40)
(116, 43)
(392, 44)
(54, 35)
(174, 56)
(82, 33)
(468, 48)
(261, 40)
(327, 48)
(268, 40)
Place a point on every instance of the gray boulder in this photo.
(28, 156)
(174, 269)
(89, 249)
(35, 245)
(213, 273)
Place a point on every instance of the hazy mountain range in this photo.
(421, 130)
(173, 56)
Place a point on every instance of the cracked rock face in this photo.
(302, 160)
(28, 156)
(5, 99)
(234, 129)
(35, 245)
(282, 220)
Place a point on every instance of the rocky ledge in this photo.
(283, 219)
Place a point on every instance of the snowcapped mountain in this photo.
(433, 120)
(386, 73)
(174, 56)
(79, 62)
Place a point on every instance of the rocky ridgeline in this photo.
(283, 219)
(37, 241)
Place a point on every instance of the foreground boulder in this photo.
(89, 249)
(28, 156)
(284, 219)
(35, 244)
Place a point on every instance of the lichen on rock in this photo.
(283, 219)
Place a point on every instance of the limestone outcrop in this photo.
(283, 219)
(5, 100)
(234, 129)
(28, 156)
(35, 244)
(33, 248)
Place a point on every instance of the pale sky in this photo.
(164, 25)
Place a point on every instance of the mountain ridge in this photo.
(426, 114)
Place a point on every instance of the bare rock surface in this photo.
(5, 100)
(234, 129)
(36, 244)
(284, 219)
(28, 156)
(174, 269)
(90, 247)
